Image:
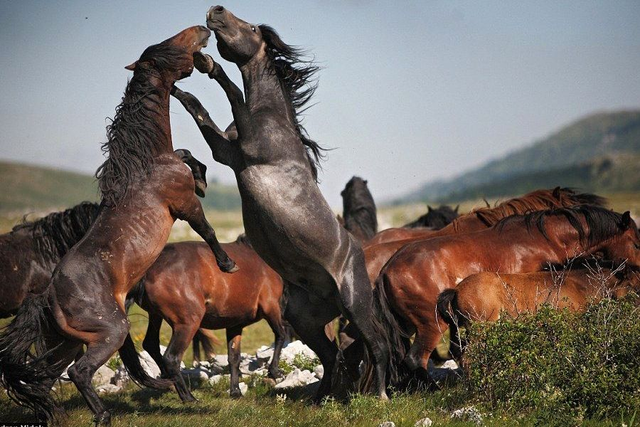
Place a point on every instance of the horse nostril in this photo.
(218, 9)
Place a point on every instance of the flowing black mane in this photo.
(602, 224)
(134, 137)
(58, 232)
(359, 209)
(296, 77)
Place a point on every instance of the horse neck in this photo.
(263, 88)
(567, 238)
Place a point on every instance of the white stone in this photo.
(469, 413)
(388, 424)
(318, 371)
(121, 377)
(265, 353)
(425, 422)
(294, 348)
(149, 365)
(103, 376)
(297, 378)
(450, 364)
(215, 379)
(108, 388)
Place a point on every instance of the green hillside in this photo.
(576, 145)
(28, 187)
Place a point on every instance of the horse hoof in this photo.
(103, 419)
(231, 267)
(203, 62)
(235, 394)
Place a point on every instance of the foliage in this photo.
(300, 361)
(558, 366)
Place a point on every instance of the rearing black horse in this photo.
(285, 216)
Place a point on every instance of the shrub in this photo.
(559, 365)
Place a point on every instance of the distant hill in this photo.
(27, 187)
(562, 157)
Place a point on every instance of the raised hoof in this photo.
(200, 187)
(229, 267)
(103, 419)
(203, 62)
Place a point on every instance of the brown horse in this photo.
(386, 243)
(185, 288)
(420, 271)
(486, 296)
(145, 187)
(31, 251)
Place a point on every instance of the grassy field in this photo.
(261, 406)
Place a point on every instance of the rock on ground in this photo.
(297, 378)
(294, 348)
(103, 376)
(388, 424)
(425, 422)
(468, 413)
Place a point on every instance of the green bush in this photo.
(559, 366)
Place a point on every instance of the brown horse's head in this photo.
(238, 41)
(627, 244)
(173, 58)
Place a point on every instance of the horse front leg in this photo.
(192, 212)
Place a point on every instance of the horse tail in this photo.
(385, 321)
(132, 364)
(208, 341)
(447, 308)
(26, 375)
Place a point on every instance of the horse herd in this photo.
(70, 277)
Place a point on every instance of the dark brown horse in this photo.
(30, 252)
(386, 243)
(287, 219)
(486, 296)
(185, 288)
(359, 210)
(145, 187)
(420, 271)
(436, 218)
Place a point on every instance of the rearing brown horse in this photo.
(144, 187)
(287, 219)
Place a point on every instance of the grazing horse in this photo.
(435, 219)
(144, 187)
(486, 296)
(30, 252)
(359, 210)
(288, 221)
(381, 248)
(415, 276)
(185, 288)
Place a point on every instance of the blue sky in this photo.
(408, 92)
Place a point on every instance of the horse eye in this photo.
(253, 28)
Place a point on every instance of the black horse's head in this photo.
(435, 218)
(172, 59)
(238, 41)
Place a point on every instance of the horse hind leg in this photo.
(309, 321)
(151, 342)
(106, 338)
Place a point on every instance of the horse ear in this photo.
(625, 223)
(429, 208)
(456, 209)
(366, 182)
(132, 66)
(556, 192)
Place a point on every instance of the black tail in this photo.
(447, 308)
(385, 320)
(131, 362)
(26, 375)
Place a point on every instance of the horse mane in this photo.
(295, 75)
(58, 232)
(359, 209)
(133, 136)
(602, 223)
(437, 218)
(535, 201)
